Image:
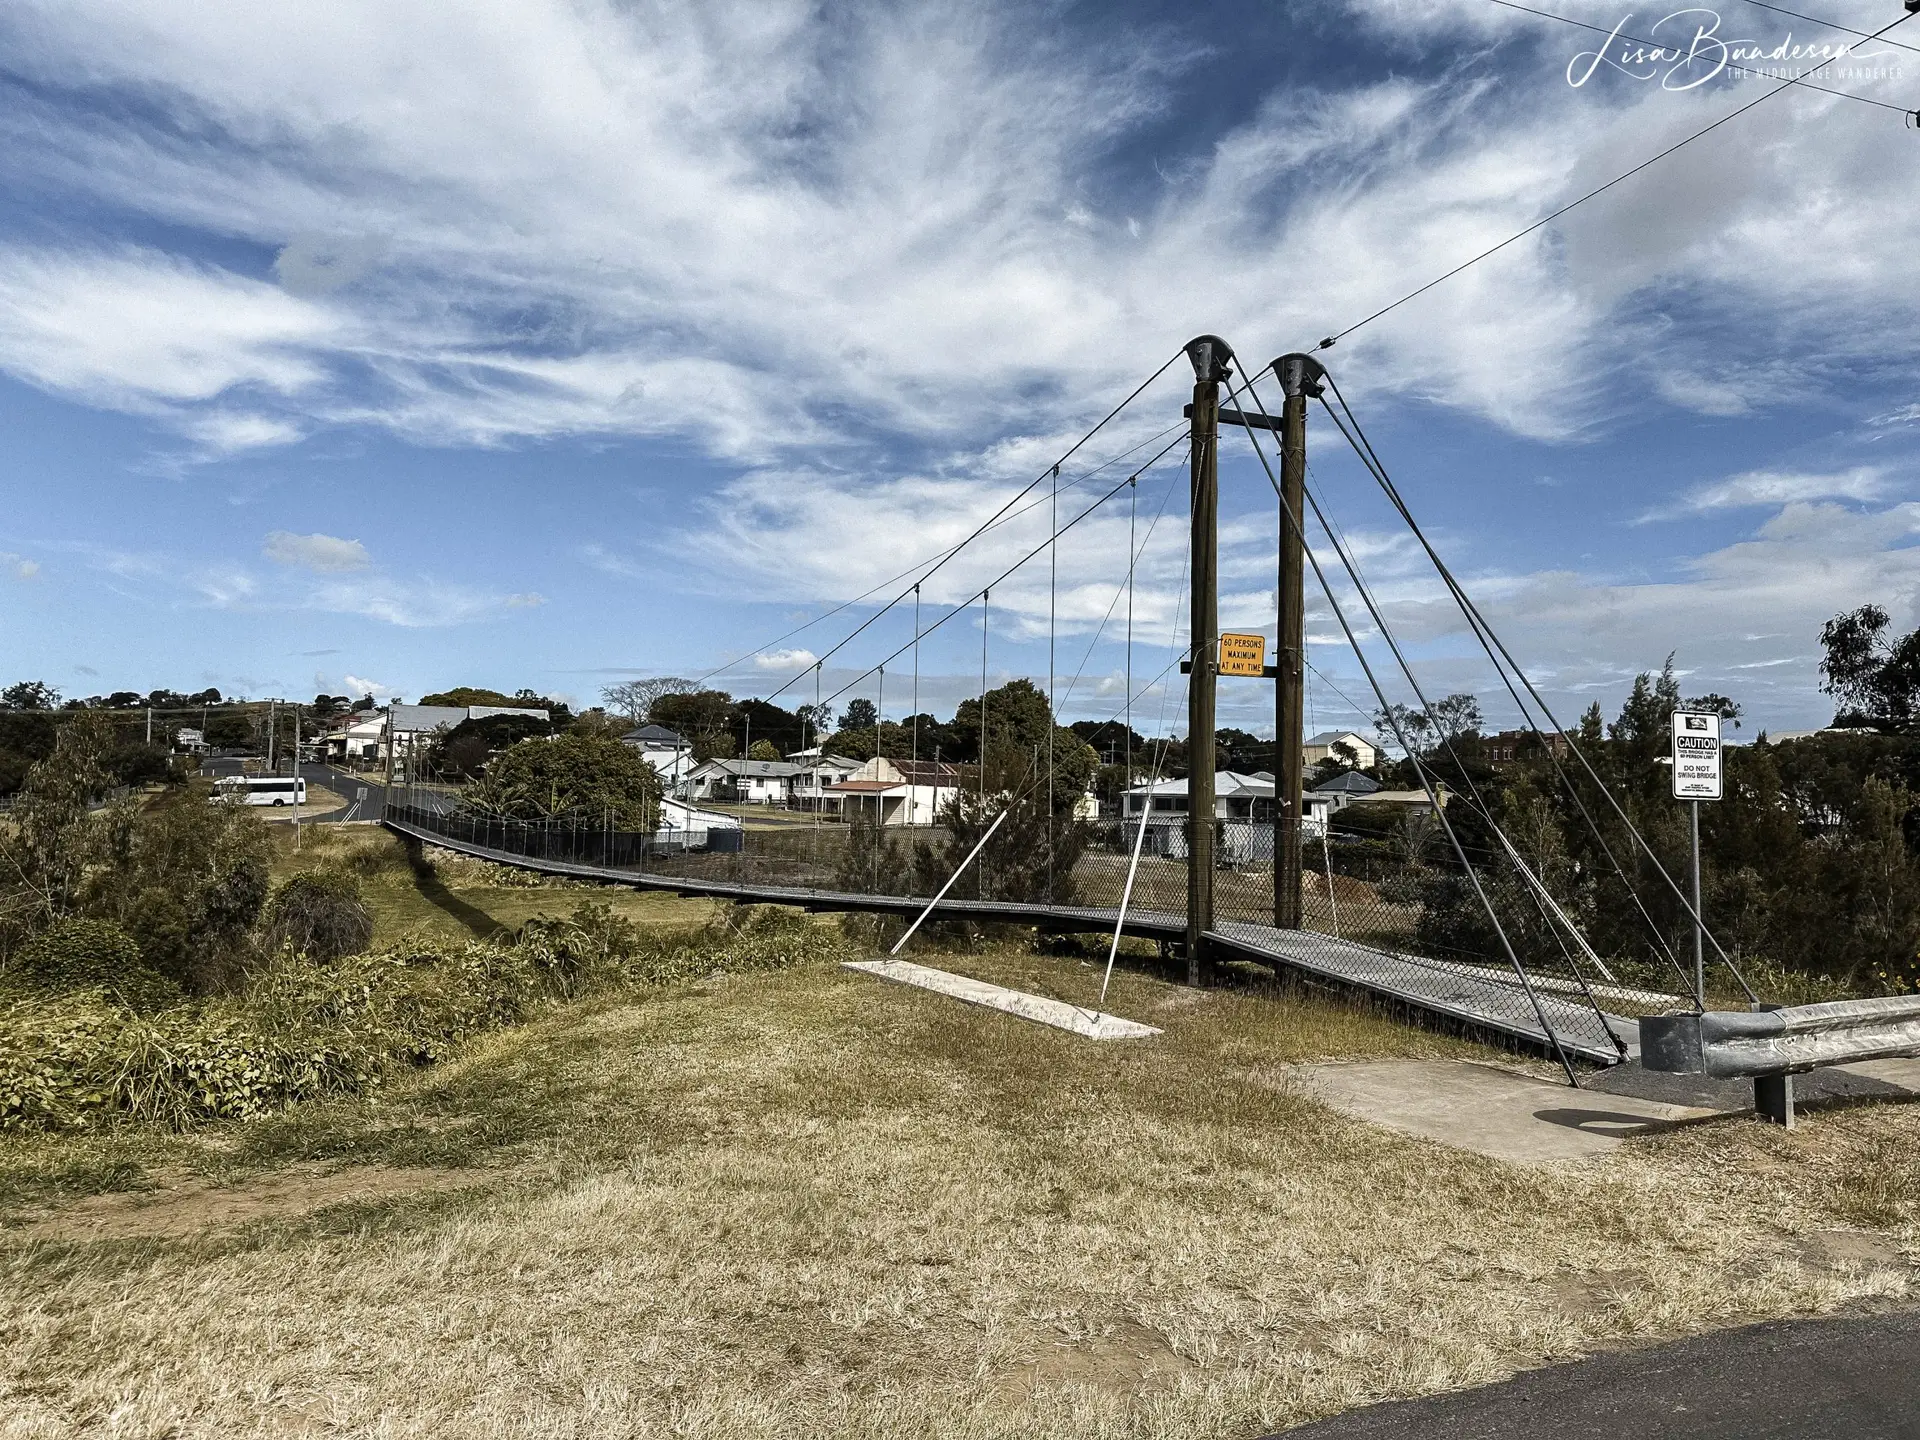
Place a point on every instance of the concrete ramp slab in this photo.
(1093, 1024)
(1492, 1111)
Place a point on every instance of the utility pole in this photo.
(273, 727)
(388, 791)
(1212, 358)
(296, 776)
(149, 724)
(1300, 377)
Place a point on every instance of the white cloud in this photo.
(357, 685)
(1776, 487)
(223, 433)
(141, 330)
(785, 660)
(415, 604)
(528, 600)
(19, 567)
(324, 553)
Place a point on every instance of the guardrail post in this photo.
(1773, 1099)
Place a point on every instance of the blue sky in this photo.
(400, 346)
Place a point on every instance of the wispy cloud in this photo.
(18, 567)
(1776, 487)
(324, 553)
(664, 254)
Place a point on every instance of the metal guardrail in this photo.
(1772, 1046)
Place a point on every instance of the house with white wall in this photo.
(667, 751)
(897, 792)
(812, 787)
(749, 782)
(1242, 806)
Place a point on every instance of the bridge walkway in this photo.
(1474, 997)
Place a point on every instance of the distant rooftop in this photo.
(653, 735)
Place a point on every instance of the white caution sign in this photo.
(1696, 756)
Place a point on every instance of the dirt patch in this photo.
(1117, 1354)
(1588, 1292)
(187, 1206)
(1851, 1250)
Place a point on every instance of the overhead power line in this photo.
(1831, 25)
(1734, 114)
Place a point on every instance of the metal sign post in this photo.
(1697, 777)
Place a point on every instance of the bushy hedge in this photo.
(300, 1030)
(74, 954)
(320, 914)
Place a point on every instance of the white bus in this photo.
(261, 789)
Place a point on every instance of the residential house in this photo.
(897, 792)
(364, 735)
(1506, 746)
(752, 782)
(1320, 747)
(1242, 807)
(813, 787)
(1345, 788)
(361, 736)
(667, 751)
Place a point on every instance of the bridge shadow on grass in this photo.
(478, 923)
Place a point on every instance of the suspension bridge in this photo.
(1509, 961)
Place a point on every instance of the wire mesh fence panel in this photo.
(1380, 903)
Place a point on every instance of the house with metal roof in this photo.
(750, 782)
(667, 751)
(897, 792)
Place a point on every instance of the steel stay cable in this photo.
(1829, 24)
(1479, 803)
(1490, 641)
(1133, 559)
(1725, 64)
(1393, 721)
(1426, 781)
(1339, 335)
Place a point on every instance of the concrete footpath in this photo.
(1513, 1116)
(1487, 1109)
(1855, 1379)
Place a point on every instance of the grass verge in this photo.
(808, 1203)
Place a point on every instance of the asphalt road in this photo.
(364, 793)
(1854, 1379)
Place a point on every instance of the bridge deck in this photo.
(1475, 996)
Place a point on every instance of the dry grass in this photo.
(810, 1204)
(460, 898)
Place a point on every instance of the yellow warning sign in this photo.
(1243, 654)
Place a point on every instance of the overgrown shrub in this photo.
(74, 954)
(319, 913)
(300, 1031)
